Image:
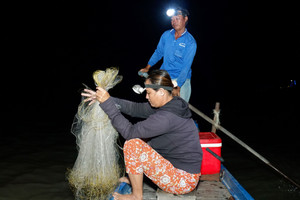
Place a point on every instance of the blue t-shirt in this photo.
(178, 55)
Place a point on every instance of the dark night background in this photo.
(247, 53)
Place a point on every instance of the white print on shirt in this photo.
(182, 44)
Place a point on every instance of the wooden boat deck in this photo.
(212, 190)
(208, 189)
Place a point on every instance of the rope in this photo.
(216, 118)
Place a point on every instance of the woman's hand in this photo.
(100, 95)
(90, 94)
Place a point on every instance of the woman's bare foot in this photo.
(124, 179)
(118, 196)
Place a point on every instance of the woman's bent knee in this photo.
(132, 143)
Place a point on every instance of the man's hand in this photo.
(146, 69)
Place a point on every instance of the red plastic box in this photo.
(210, 164)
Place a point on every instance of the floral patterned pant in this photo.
(142, 158)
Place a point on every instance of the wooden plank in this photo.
(212, 190)
(206, 190)
(161, 195)
(149, 192)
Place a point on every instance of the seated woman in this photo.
(172, 155)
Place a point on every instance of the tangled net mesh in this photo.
(96, 171)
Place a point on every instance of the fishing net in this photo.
(96, 171)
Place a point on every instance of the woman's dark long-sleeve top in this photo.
(170, 129)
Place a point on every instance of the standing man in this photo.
(178, 47)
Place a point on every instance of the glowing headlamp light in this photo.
(171, 12)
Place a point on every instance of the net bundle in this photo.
(96, 171)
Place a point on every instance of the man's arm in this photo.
(158, 53)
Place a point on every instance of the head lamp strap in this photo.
(182, 12)
(158, 86)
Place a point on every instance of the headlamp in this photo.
(139, 89)
(179, 11)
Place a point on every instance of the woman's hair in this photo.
(161, 78)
